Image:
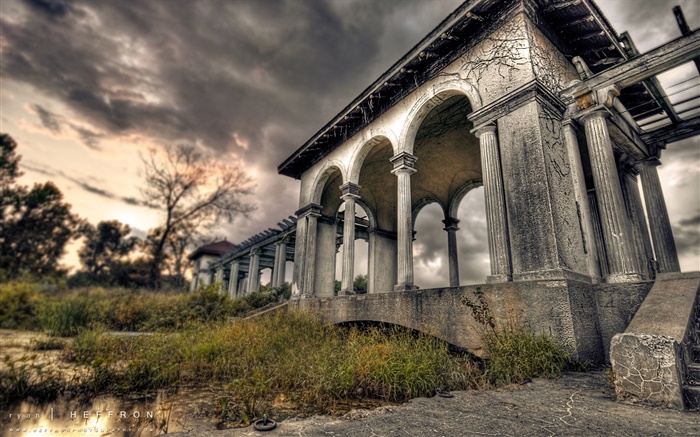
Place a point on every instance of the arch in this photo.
(459, 195)
(376, 136)
(426, 102)
(422, 203)
(322, 176)
(370, 214)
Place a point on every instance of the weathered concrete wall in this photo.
(649, 358)
(565, 309)
(616, 305)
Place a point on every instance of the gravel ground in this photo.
(577, 404)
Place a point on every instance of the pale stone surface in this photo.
(650, 358)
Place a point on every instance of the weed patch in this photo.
(516, 352)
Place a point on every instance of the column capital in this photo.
(484, 128)
(312, 209)
(651, 162)
(451, 224)
(404, 162)
(598, 112)
(255, 251)
(350, 190)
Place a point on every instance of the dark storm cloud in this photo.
(187, 71)
(694, 221)
(687, 237)
(51, 8)
(651, 22)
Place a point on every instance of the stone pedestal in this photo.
(661, 234)
(617, 232)
(404, 167)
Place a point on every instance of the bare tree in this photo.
(192, 189)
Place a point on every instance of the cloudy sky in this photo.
(88, 85)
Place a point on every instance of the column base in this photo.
(346, 293)
(616, 278)
(498, 278)
(405, 287)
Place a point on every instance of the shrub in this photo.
(67, 317)
(18, 305)
(517, 353)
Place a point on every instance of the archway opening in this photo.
(378, 200)
(472, 238)
(430, 263)
(326, 234)
(266, 277)
(449, 160)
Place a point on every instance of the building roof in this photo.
(216, 248)
(576, 27)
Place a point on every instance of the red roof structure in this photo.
(215, 248)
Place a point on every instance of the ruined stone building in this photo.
(562, 122)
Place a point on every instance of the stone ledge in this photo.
(649, 358)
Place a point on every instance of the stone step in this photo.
(692, 376)
(692, 397)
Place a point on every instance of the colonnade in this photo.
(616, 246)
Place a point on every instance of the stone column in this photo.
(233, 279)
(452, 255)
(280, 262)
(311, 215)
(496, 219)
(404, 167)
(253, 276)
(581, 194)
(598, 234)
(276, 266)
(640, 232)
(244, 283)
(299, 271)
(350, 193)
(219, 274)
(661, 235)
(617, 234)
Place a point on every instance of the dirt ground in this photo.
(577, 404)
